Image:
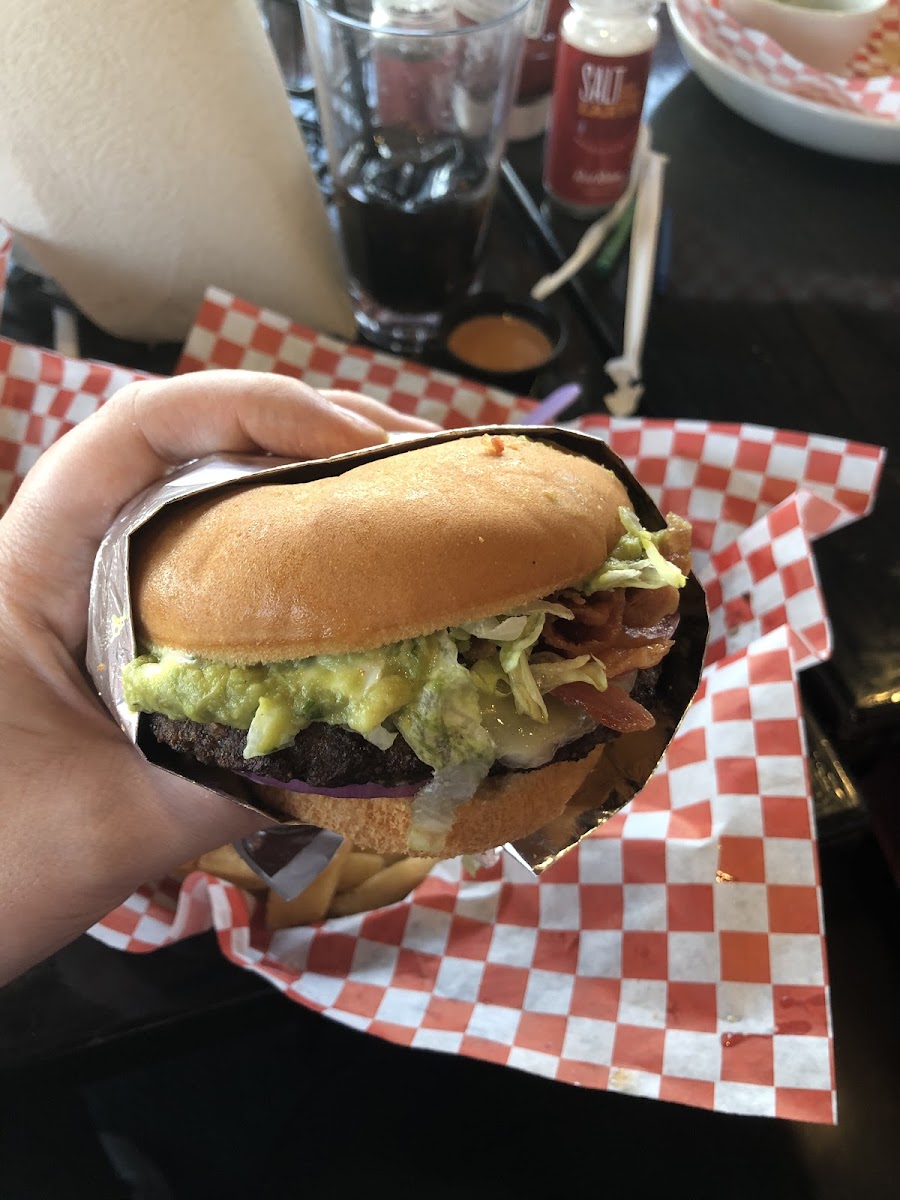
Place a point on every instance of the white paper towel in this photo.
(147, 150)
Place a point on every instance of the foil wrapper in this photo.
(289, 855)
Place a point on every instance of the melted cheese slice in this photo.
(522, 743)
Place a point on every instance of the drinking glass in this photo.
(414, 98)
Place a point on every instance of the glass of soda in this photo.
(414, 98)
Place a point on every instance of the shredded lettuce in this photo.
(514, 653)
(442, 723)
(508, 671)
(381, 737)
(273, 725)
(636, 561)
(553, 671)
(526, 692)
(497, 629)
(434, 806)
(511, 626)
(545, 607)
(514, 671)
(513, 659)
(489, 677)
(667, 571)
(443, 727)
(548, 670)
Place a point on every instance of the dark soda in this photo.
(413, 219)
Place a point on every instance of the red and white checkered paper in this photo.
(43, 395)
(871, 87)
(678, 952)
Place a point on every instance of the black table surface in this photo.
(780, 305)
(782, 308)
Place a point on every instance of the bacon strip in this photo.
(648, 606)
(614, 708)
(620, 647)
(620, 662)
(628, 629)
(603, 608)
(675, 544)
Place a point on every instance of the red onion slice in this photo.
(359, 791)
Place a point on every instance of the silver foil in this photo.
(290, 855)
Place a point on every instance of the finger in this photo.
(150, 426)
(374, 410)
(70, 497)
(180, 821)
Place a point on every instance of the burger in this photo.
(425, 652)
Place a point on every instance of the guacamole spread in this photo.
(275, 701)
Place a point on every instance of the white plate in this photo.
(819, 126)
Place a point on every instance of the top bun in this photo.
(391, 549)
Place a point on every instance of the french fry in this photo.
(385, 887)
(356, 869)
(312, 904)
(354, 881)
(228, 864)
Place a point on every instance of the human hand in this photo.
(86, 818)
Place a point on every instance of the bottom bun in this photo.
(504, 808)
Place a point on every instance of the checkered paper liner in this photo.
(43, 395)
(678, 952)
(229, 332)
(872, 87)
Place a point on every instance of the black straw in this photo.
(557, 254)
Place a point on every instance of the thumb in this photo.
(51, 533)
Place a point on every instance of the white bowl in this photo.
(824, 34)
(819, 126)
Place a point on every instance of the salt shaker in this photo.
(603, 61)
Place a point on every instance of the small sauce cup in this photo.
(503, 342)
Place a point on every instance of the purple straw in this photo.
(553, 405)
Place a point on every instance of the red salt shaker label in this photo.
(594, 124)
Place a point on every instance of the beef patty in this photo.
(329, 756)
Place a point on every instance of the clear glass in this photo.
(414, 98)
(281, 21)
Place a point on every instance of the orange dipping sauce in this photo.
(500, 342)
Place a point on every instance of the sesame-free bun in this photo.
(504, 808)
(390, 549)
